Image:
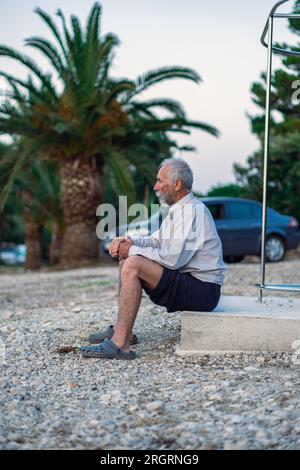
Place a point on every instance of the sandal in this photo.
(99, 336)
(107, 350)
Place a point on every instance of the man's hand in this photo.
(114, 246)
(124, 249)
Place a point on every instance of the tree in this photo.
(30, 187)
(89, 121)
(11, 222)
(227, 190)
(284, 174)
(284, 158)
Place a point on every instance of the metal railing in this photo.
(268, 30)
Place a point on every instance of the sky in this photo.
(219, 39)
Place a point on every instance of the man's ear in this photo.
(178, 185)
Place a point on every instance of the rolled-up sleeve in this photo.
(150, 241)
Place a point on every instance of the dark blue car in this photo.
(238, 222)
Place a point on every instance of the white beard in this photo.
(162, 199)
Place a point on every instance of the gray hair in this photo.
(180, 170)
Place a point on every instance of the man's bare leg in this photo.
(121, 264)
(133, 271)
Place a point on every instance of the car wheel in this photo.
(233, 259)
(275, 249)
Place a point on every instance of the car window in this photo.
(239, 210)
(216, 210)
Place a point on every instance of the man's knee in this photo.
(131, 265)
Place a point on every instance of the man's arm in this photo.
(178, 247)
(149, 241)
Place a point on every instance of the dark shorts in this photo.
(180, 291)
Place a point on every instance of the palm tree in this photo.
(34, 183)
(84, 119)
(11, 222)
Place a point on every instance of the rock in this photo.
(251, 369)
(77, 309)
(7, 315)
(155, 406)
(260, 360)
(209, 445)
(188, 441)
(237, 445)
(236, 419)
(7, 329)
(94, 423)
(261, 435)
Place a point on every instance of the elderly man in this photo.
(180, 266)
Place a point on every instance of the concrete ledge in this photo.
(242, 324)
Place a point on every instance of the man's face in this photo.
(163, 188)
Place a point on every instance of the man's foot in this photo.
(107, 333)
(107, 350)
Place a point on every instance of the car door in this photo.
(257, 225)
(217, 210)
(242, 228)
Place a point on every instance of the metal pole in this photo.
(268, 29)
(286, 15)
(266, 155)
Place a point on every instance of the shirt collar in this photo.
(179, 204)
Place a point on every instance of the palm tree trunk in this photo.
(33, 236)
(81, 193)
(56, 244)
(33, 241)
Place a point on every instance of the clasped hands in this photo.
(120, 247)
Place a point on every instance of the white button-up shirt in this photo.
(187, 240)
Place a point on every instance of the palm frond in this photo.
(7, 187)
(30, 64)
(104, 58)
(120, 176)
(147, 167)
(30, 87)
(203, 127)
(186, 148)
(140, 113)
(45, 46)
(17, 124)
(119, 88)
(164, 73)
(52, 26)
(93, 24)
(68, 38)
(22, 99)
(167, 125)
(166, 104)
(77, 30)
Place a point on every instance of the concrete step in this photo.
(242, 324)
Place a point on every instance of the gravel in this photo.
(52, 398)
